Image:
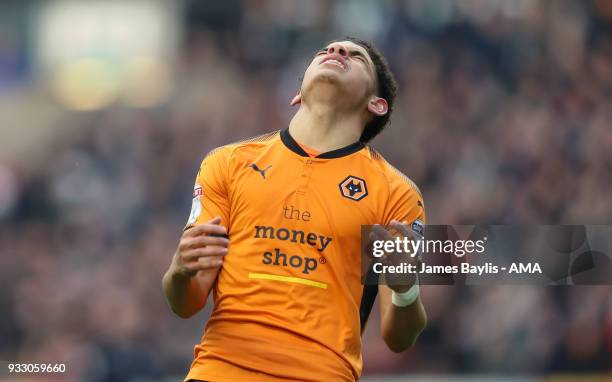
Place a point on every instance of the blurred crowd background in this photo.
(504, 116)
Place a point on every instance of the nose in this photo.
(338, 48)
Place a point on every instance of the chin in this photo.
(330, 80)
(327, 84)
(327, 76)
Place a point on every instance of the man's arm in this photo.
(194, 267)
(400, 326)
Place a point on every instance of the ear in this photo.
(378, 106)
(296, 100)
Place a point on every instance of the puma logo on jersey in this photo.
(262, 172)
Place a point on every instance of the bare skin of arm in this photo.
(400, 326)
(194, 267)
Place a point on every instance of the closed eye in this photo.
(359, 55)
(355, 53)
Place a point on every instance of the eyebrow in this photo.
(356, 53)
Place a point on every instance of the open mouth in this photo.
(334, 61)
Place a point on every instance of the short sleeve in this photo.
(405, 202)
(210, 191)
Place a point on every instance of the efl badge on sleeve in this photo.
(197, 191)
(196, 205)
(418, 228)
(419, 231)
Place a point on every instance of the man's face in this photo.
(346, 68)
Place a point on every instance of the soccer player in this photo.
(274, 234)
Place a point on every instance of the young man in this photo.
(275, 228)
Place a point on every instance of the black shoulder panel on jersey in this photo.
(259, 138)
(407, 180)
(375, 154)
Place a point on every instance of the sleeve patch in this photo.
(196, 205)
(418, 228)
(197, 191)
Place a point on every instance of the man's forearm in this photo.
(194, 267)
(186, 295)
(401, 326)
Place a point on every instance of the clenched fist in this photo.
(201, 248)
(398, 282)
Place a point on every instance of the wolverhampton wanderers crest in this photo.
(353, 188)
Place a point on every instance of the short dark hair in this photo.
(386, 87)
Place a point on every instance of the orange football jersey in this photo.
(286, 301)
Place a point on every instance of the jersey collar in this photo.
(292, 145)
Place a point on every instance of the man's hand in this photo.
(200, 252)
(201, 248)
(397, 282)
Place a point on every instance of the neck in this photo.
(324, 128)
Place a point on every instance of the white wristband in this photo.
(406, 298)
